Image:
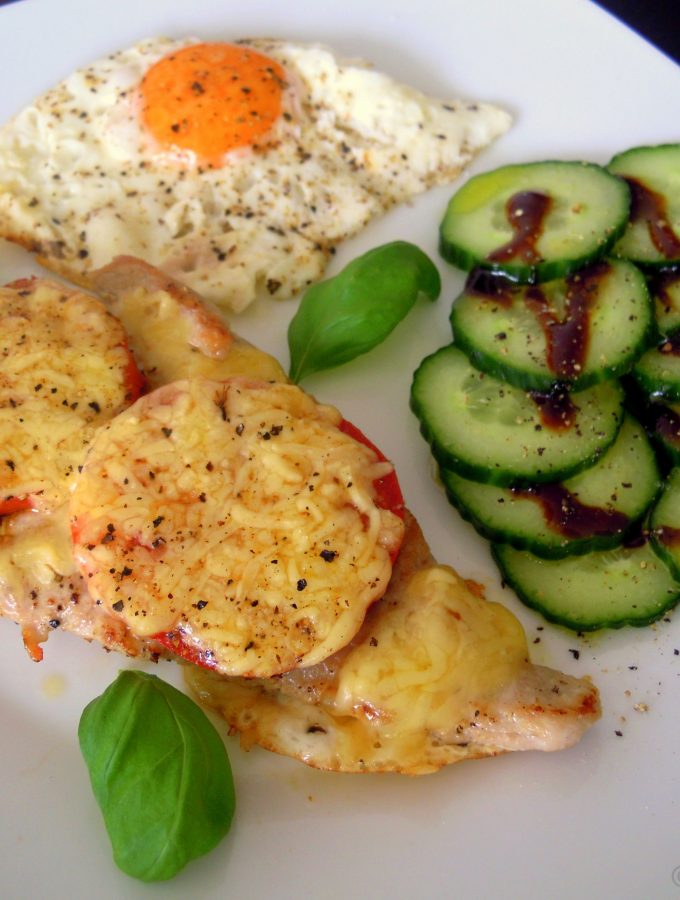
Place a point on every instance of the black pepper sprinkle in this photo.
(55, 623)
(167, 431)
(126, 570)
(95, 406)
(328, 555)
(157, 521)
(618, 733)
(118, 606)
(575, 653)
(10, 464)
(201, 604)
(302, 584)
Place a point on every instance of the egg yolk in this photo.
(211, 99)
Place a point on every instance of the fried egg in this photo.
(235, 167)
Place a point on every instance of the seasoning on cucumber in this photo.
(664, 523)
(489, 431)
(657, 372)
(652, 174)
(576, 284)
(629, 585)
(665, 430)
(536, 221)
(596, 509)
(586, 328)
(664, 286)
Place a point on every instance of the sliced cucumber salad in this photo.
(629, 585)
(570, 313)
(664, 286)
(652, 237)
(536, 221)
(495, 433)
(586, 328)
(594, 510)
(664, 523)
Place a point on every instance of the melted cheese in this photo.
(438, 648)
(42, 590)
(166, 340)
(64, 371)
(427, 659)
(239, 515)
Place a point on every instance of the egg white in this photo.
(81, 182)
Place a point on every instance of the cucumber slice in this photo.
(586, 328)
(535, 222)
(664, 523)
(653, 175)
(604, 589)
(664, 286)
(665, 430)
(594, 510)
(492, 432)
(657, 372)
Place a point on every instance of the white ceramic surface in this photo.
(599, 820)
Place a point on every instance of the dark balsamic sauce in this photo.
(650, 207)
(566, 338)
(491, 286)
(670, 346)
(668, 426)
(555, 406)
(565, 514)
(526, 212)
(668, 535)
(660, 284)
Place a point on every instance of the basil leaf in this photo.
(353, 312)
(160, 773)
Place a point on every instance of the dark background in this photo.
(653, 19)
(657, 20)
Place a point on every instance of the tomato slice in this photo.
(173, 641)
(14, 504)
(135, 382)
(388, 496)
(388, 490)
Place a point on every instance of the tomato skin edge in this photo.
(388, 490)
(11, 505)
(173, 641)
(133, 378)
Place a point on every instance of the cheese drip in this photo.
(430, 656)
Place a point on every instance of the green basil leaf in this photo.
(353, 312)
(160, 773)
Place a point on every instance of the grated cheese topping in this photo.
(430, 656)
(64, 371)
(236, 515)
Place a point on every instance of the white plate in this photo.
(598, 820)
